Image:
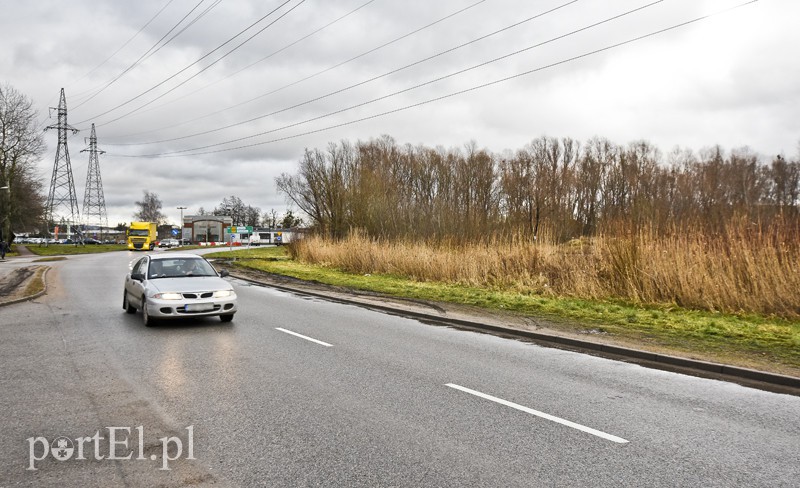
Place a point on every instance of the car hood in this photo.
(187, 284)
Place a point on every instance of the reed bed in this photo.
(741, 269)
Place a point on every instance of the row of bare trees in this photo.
(21, 145)
(558, 186)
(249, 215)
(578, 190)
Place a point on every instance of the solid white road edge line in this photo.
(543, 415)
(304, 337)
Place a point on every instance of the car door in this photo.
(136, 288)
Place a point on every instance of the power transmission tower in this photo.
(94, 202)
(62, 203)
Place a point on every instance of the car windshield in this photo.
(179, 267)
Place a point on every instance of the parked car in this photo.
(90, 240)
(169, 243)
(176, 285)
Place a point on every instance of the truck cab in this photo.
(142, 236)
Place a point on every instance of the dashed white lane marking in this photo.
(543, 415)
(304, 337)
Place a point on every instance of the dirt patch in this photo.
(15, 284)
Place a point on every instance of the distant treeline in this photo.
(557, 187)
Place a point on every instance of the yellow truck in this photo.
(142, 236)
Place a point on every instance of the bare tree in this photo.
(305, 188)
(240, 213)
(252, 216)
(270, 219)
(150, 209)
(784, 183)
(232, 207)
(598, 155)
(21, 144)
(323, 187)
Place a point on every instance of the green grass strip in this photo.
(69, 249)
(745, 340)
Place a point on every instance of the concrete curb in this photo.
(744, 376)
(35, 295)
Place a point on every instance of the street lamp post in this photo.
(181, 209)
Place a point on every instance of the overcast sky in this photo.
(161, 103)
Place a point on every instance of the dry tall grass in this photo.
(742, 269)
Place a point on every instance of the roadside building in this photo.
(265, 236)
(204, 229)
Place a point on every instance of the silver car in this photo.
(169, 243)
(176, 285)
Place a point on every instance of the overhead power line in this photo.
(141, 58)
(365, 53)
(394, 71)
(120, 48)
(268, 56)
(209, 66)
(183, 29)
(187, 67)
(431, 100)
(85, 92)
(429, 82)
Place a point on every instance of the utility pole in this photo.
(62, 203)
(181, 224)
(94, 202)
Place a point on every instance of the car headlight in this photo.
(223, 293)
(168, 296)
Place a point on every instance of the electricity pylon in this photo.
(94, 202)
(62, 203)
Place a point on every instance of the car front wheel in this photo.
(226, 318)
(126, 304)
(147, 319)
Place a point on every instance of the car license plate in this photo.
(199, 307)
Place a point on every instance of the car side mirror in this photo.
(223, 273)
(137, 276)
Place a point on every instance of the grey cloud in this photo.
(664, 89)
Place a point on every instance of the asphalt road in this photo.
(304, 392)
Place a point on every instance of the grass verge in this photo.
(50, 259)
(69, 249)
(766, 343)
(36, 283)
